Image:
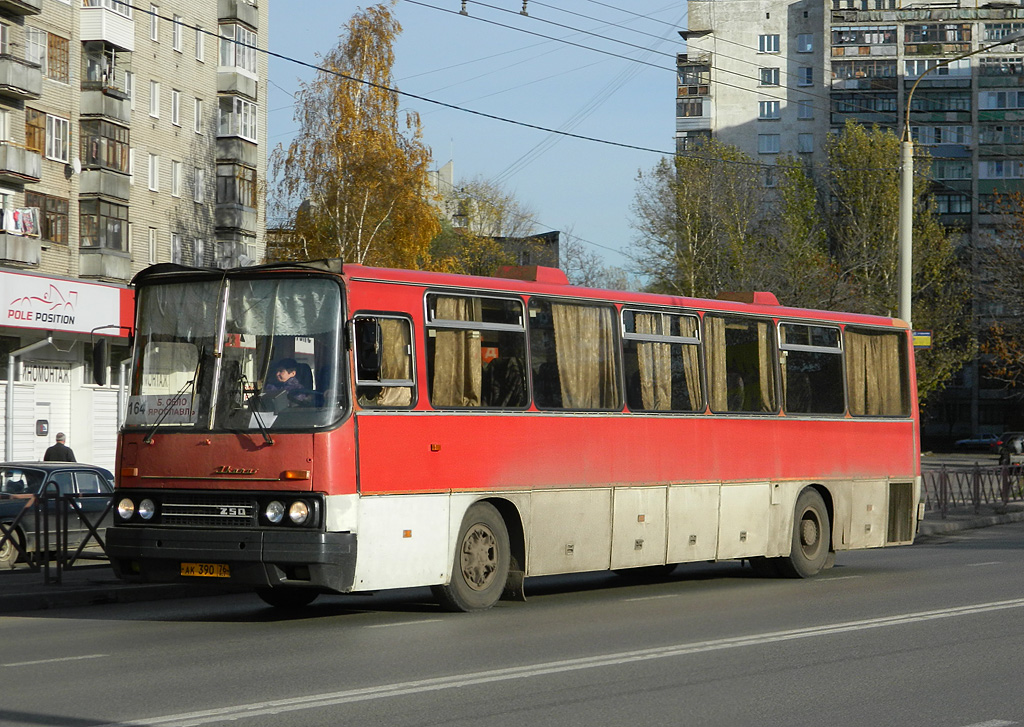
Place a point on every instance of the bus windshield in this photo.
(236, 354)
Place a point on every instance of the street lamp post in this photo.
(906, 228)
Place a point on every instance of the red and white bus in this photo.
(315, 427)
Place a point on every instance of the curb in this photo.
(927, 528)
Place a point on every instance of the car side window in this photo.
(63, 481)
(89, 483)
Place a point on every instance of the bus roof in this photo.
(533, 280)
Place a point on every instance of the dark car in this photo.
(980, 442)
(1010, 447)
(21, 483)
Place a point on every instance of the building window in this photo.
(105, 145)
(154, 172)
(769, 76)
(154, 99)
(770, 179)
(35, 130)
(176, 107)
(58, 64)
(768, 43)
(131, 166)
(804, 76)
(952, 204)
(5, 125)
(176, 33)
(199, 185)
(768, 143)
(690, 107)
(175, 178)
(152, 244)
(236, 184)
(53, 216)
(768, 110)
(237, 118)
(129, 87)
(35, 46)
(58, 138)
(198, 252)
(238, 47)
(103, 224)
(197, 116)
(804, 109)
(805, 143)
(200, 44)
(804, 43)
(177, 255)
(154, 22)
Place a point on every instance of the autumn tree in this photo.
(1001, 267)
(353, 181)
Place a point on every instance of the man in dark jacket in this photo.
(59, 452)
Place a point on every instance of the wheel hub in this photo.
(479, 557)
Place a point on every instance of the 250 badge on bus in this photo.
(208, 570)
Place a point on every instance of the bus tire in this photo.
(9, 551)
(287, 598)
(812, 537)
(481, 564)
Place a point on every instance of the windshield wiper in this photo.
(256, 414)
(148, 439)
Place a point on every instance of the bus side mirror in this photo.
(368, 342)
(99, 363)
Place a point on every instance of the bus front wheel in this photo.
(481, 563)
(287, 597)
(812, 537)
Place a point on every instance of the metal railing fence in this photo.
(951, 486)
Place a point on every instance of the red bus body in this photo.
(577, 490)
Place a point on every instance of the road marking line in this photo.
(456, 681)
(405, 623)
(54, 661)
(826, 579)
(653, 598)
(976, 565)
(992, 723)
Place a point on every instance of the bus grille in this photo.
(205, 510)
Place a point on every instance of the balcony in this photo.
(237, 83)
(235, 217)
(240, 10)
(236, 149)
(98, 262)
(19, 249)
(101, 23)
(19, 78)
(21, 7)
(111, 103)
(105, 182)
(19, 165)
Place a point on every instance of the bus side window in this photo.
(384, 369)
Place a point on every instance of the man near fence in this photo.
(59, 452)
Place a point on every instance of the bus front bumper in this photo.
(261, 558)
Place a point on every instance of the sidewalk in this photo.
(87, 585)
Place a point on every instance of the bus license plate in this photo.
(209, 570)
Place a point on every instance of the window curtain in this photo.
(691, 361)
(714, 349)
(585, 345)
(655, 362)
(396, 363)
(766, 371)
(457, 363)
(875, 374)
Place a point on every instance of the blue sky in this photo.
(495, 61)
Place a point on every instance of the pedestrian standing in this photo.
(59, 452)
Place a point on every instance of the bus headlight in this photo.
(274, 512)
(298, 512)
(125, 509)
(147, 509)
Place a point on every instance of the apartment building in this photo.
(130, 134)
(775, 77)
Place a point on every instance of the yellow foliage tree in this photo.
(353, 182)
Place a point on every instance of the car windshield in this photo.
(19, 481)
(238, 355)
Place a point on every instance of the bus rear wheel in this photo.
(812, 537)
(287, 597)
(481, 563)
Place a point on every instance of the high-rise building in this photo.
(775, 77)
(130, 134)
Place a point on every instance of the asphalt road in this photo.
(924, 635)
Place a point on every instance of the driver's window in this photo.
(63, 481)
(384, 361)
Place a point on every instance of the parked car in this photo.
(981, 442)
(22, 482)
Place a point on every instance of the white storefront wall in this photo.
(51, 383)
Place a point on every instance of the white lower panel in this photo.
(743, 527)
(402, 541)
(693, 521)
(571, 531)
(638, 529)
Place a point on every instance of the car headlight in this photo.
(125, 509)
(147, 509)
(298, 512)
(274, 512)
